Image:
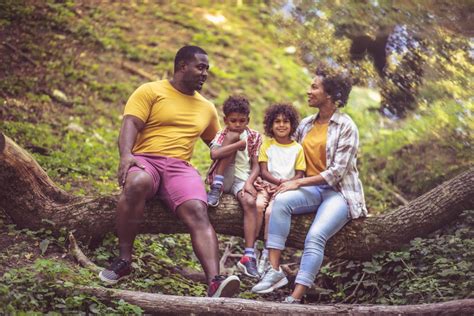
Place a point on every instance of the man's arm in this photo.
(131, 126)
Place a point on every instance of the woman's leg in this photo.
(331, 216)
(304, 200)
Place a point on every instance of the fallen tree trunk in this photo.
(33, 201)
(156, 303)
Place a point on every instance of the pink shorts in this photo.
(175, 181)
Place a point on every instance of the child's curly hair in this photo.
(236, 104)
(285, 109)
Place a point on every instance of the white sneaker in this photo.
(263, 265)
(272, 280)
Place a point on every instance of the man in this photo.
(162, 121)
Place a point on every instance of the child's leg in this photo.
(218, 182)
(262, 202)
(248, 262)
(268, 211)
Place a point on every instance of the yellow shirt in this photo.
(173, 120)
(314, 145)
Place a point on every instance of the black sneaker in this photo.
(248, 266)
(222, 286)
(118, 270)
(214, 195)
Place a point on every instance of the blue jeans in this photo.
(331, 215)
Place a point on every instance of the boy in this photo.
(281, 159)
(234, 152)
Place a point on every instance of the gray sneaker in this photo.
(214, 195)
(272, 280)
(263, 265)
(291, 300)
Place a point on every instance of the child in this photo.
(234, 152)
(281, 159)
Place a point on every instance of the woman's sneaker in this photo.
(222, 286)
(272, 280)
(248, 266)
(118, 270)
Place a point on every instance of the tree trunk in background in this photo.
(33, 201)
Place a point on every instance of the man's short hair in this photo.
(236, 104)
(186, 54)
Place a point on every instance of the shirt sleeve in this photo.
(345, 152)
(262, 155)
(213, 127)
(300, 163)
(140, 103)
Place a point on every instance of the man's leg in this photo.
(193, 213)
(130, 208)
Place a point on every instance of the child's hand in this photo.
(250, 189)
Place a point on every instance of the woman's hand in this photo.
(287, 186)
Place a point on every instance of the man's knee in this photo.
(193, 213)
(137, 186)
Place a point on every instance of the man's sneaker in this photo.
(291, 300)
(222, 286)
(118, 270)
(272, 280)
(214, 195)
(263, 265)
(248, 266)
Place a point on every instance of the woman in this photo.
(332, 187)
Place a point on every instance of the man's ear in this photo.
(182, 65)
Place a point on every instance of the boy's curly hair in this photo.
(236, 103)
(335, 83)
(285, 109)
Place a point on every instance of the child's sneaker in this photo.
(263, 265)
(118, 270)
(214, 195)
(222, 286)
(248, 266)
(291, 300)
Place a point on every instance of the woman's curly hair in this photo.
(335, 84)
(272, 112)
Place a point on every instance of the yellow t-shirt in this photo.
(173, 120)
(314, 145)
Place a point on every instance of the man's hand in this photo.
(126, 162)
(249, 188)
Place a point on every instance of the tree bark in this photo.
(156, 303)
(33, 201)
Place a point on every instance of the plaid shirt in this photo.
(341, 157)
(254, 140)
